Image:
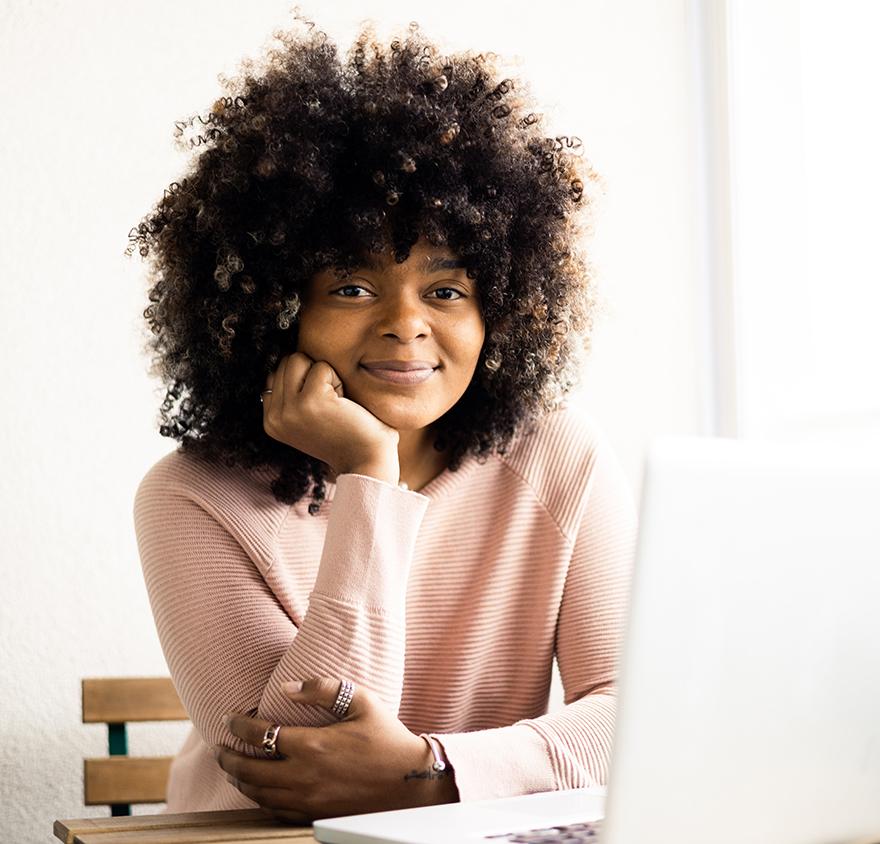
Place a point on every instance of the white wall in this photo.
(91, 91)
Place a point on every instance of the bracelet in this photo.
(438, 764)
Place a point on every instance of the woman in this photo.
(382, 556)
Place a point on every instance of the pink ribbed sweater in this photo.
(449, 602)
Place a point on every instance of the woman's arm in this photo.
(569, 748)
(228, 641)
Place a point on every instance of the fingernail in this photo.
(226, 719)
(292, 686)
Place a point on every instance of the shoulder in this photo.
(239, 500)
(560, 458)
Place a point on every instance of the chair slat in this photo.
(124, 779)
(117, 700)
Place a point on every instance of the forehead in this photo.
(426, 262)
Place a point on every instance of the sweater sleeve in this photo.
(229, 643)
(569, 748)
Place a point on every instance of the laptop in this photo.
(749, 705)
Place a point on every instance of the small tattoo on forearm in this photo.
(427, 774)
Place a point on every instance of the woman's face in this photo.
(424, 313)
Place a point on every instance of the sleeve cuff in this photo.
(501, 762)
(370, 541)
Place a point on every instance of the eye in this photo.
(444, 290)
(346, 291)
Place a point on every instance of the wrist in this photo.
(386, 469)
(441, 777)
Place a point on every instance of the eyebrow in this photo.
(435, 265)
(432, 265)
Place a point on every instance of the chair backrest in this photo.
(120, 780)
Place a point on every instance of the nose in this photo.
(404, 316)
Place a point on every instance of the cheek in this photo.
(330, 341)
(472, 342)
(315, 337)
(303, 340)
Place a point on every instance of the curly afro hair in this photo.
(311, 162)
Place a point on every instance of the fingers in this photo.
(315, 691)
(320, 379)
(276, 799)
(275, 383)
(264, 773)
(296, 743)
(298, 367)
(288, 377)
(323, 691)
(250, 730)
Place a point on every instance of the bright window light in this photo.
(805, 182)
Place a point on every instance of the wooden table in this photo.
(247, 825)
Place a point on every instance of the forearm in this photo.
(355, 626)
(567, 749)
(339, 640)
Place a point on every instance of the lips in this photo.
(401, 372)
(400, 365)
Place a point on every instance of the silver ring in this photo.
(269, 738)
(265, 393)
(343, 699)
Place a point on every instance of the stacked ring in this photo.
(343, 699)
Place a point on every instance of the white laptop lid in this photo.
(750, 681)
(464, 823)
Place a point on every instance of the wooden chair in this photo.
(120, 779)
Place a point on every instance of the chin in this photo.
(398, 417)
(403, 421)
